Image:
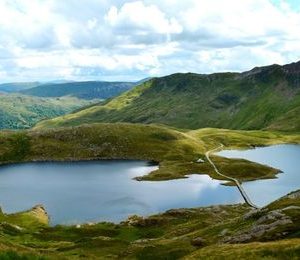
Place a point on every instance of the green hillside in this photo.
(215, 232)
(266, 97)
(19, 111)
(84, 90)
(175, 151)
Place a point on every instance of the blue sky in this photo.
(43, 40)
(294, 4)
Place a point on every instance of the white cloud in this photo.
(141, 18)
(101, 39)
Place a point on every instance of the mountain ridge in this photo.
(261, 98)
(80, 89)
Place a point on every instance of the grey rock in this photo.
(264, 225)
(198, 241)
(294, 195)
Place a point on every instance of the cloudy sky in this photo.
(130, 40)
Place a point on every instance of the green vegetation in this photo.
(83, 90)
(175, 151)
(265, 101)
(215, 232)
(267, 97)
(19, 111)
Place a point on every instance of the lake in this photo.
(284, 157)
(93, 191)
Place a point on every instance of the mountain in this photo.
(20, 111)
(85, 90)
(263, 98)
(17, 86)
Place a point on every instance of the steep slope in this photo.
(19, 111)
(85, 90)
(265, 97)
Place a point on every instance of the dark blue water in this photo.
(283, 157)
(80, 192)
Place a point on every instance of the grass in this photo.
(176, 151)
(265, 100)
(21, 112)
(169, 235)
(286, 249)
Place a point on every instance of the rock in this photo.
(179, 212)
(294, 195)
(103, 238)
(224, 232)
(198, 242)
(10, 228)
(290, 208)
(143, 240)
(133, 220)
(200, 160)
(265, 225)
(252, 214)
(40, 213)
(273, 215)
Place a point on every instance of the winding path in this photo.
(241, 189)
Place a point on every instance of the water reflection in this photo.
(283, 157)
(98, 191)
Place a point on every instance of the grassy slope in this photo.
(169, 235)
(18, 111)
(165, 236)
(263, 98)
(176, 151)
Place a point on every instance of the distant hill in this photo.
(84, 90)
(20, 111)
(18, 86)
(263, 98)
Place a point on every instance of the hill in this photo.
(20, 111)
(176, 151)
(84, 90)
(17, 86)
(263, 98)
(224, 231)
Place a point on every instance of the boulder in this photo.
(198, 242)
(40, 213)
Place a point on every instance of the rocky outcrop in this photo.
(139, 221)
(40, 213)
(198, 242)
(272, 223)
(10, 228)
(293, 195)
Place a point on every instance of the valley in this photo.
(24, 104)
(21, 112)
(149, 130)
(177, 123)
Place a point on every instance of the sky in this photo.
(117, 40)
